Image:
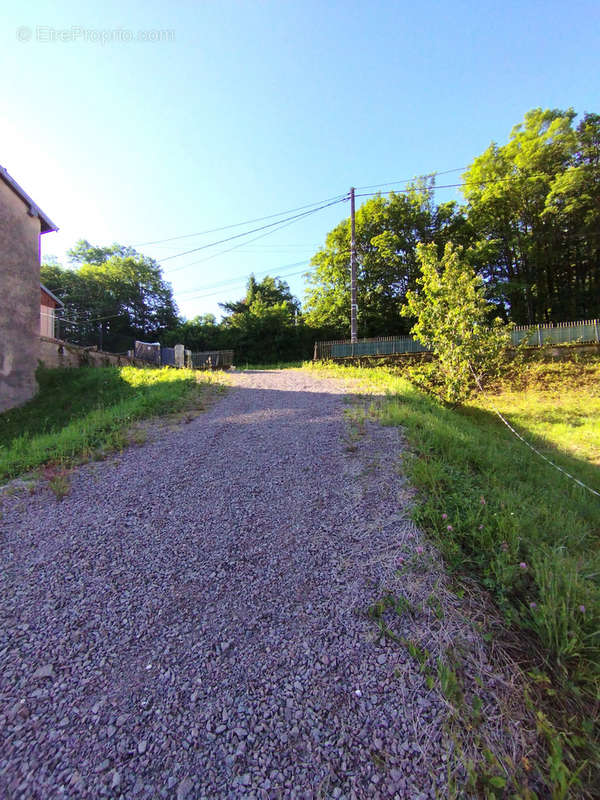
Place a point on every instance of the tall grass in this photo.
(78, 411)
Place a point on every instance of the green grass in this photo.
(528, 533)
(78, 412)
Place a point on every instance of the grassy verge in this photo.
(499, 512)
(78, 412)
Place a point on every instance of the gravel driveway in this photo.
(189, 621)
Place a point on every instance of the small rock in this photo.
(116, 781)
(246, 780)
(381, 659)
(184, 788)
(103, 766)
(142, 746)
(45, 671)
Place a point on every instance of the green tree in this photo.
(115, 293)
(270, 291)
(534, 206)
(387, 233)
(265, 326)
(453, 319)
(198, 334)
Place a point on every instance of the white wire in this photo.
(530, 446)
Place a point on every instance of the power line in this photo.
(282, 224)
(460, 185)
(240, 283)
(408, 180)
(235, 280)
(239, 224)
(254, 230)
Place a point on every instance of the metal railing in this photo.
(212, 359)
(586, 331)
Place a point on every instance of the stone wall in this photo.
(20, 297)
(56, 353)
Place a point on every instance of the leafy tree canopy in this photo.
(535, 206)
(267, 293)
(387, 233)
(116, 288)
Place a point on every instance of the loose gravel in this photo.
(189, 622)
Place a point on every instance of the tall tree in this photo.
(387, 233)
(270, 291)
(534, 205)
(116, 289)
(265, 325)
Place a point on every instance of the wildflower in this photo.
(504, 546)
(419, 549)
(481, 527)
(450, 528)
(444, 516)
(532, 606)
(582, 609)
(400, 561)
(482, 501)
(523, 565)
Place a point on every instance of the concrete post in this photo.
(179, 355)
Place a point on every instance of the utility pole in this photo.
(353, 305)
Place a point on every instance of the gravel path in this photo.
(189, 621)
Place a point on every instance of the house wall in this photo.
(47, 306)
(20, 297)
(47, 321)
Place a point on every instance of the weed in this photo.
(58, 481)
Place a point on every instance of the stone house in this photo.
(21, 224)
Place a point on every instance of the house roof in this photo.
(53, 296)
(34, 211)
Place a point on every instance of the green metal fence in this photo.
(536, 335)
(559, 333)
(212, 359)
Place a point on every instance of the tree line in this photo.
(529, 226)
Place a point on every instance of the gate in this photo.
(167, 356)
(149, 352)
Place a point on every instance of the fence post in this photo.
(179, 355)
(596, 330)
(539, 336)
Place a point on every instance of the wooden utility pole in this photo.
(353, 305)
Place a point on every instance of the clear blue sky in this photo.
(257, 107)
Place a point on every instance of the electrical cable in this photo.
(239, 224)
(254, 230)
